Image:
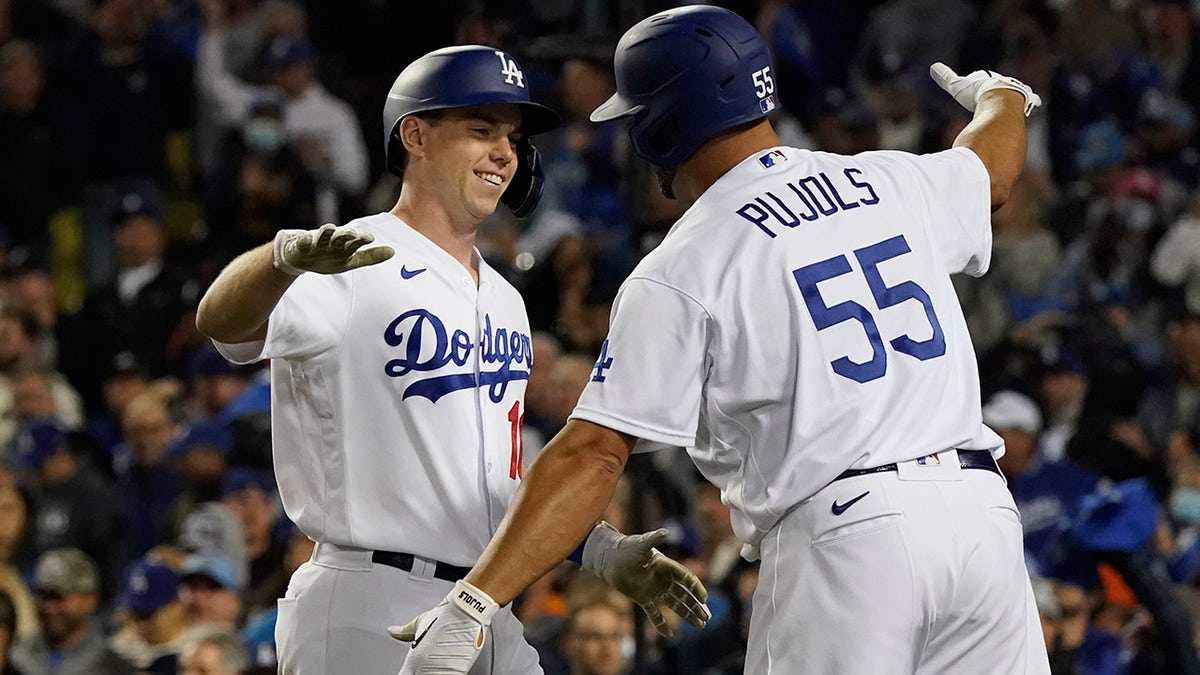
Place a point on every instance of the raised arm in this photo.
(997, 132)
(235, 308)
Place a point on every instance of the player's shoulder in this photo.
(954, 161)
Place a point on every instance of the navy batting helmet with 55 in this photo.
(685, 74)
(470, 75)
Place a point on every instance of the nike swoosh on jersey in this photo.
(424, 632)
(408, 274)
(839, 509)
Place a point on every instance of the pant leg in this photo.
(334, 618)
(988, 623)
(913, 577)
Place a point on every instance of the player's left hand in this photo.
(631, 564)
(966, 89)
(447, 639)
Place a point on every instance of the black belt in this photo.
(967, 459)
(404, 561)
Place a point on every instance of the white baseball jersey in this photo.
(397, 392)
(799, 320)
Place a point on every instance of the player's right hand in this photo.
(631, 564)
(966, 89)
(447, 639)
(328, 249)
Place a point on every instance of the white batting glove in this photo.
(328, 249)
(631, 564)
(966, 89)
(447, 639)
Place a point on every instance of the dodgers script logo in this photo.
(419, 328)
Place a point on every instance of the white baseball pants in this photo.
(333, 619)
(924, 573)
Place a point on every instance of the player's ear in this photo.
(413, 132)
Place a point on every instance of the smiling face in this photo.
(465, 157)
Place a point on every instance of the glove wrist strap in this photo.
(473, 602)
(602, 538)
(1012, 84)
(280, 263)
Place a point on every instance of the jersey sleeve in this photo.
(955, 190)
(310, 318)
(649, 375)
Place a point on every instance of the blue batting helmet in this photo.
(457, 77)
(685, 74)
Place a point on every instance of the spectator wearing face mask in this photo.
(259, 184)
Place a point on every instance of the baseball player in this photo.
(798, 332)
(398, 375)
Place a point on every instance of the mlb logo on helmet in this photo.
(767, 104)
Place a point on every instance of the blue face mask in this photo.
(1185, 505)
(262, 135)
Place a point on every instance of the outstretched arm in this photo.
(235, 308)
(559, 501)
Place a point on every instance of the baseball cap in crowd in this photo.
(137, 203)
(210, 434)
(217, 568)
(1100, 145)
(1012, 410)
(208, 361)
(126, 363)
(1046, 598)
(287, 50)
(66, 571)
(213, 529)
(149, 586)
(240, 478)
(1165, 110)
(1065, 360)
(37, 440)
(682, 538)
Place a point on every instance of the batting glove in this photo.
(966, 89)
(447, 639)
(328, 249)
(631, 564)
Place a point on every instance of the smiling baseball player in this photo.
(398, 376)
(798, 331)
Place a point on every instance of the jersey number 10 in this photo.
(824, 316)
(516, 420)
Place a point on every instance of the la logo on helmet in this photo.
(510, 70)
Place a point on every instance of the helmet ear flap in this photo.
(525, 189)
(395, 154)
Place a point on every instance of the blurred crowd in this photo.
(144, 143)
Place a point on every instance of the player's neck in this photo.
(439, 227)
(719, 154)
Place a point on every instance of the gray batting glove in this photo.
(447, 639)
(631, 564)
(966, 89)
(328, 249)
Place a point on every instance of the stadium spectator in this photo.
(153, 631)
(71, 640)
(73, 505)
(214, 652)
(258, 185)
(148, 483)
(143, 308)
(210, 591)
(322, 127)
